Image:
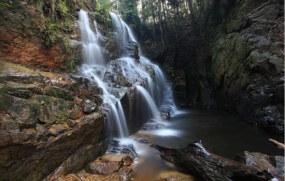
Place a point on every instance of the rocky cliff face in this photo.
(44, 123)
(233, 60)
(25, 32)
(248, 62)
(47, 120)
(52, 124)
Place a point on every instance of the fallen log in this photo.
(280, 145)
(195, 159)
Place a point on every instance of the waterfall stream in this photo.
(154, 96)
(138, 72)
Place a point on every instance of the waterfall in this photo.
(91, 51)
(95, 69)
(125, 37)
(141, 73)
(149, 100)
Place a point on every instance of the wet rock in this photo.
(165, 114)
(152, 126)
(273, 164)
(116, 147)
(121, 80)
(103, 167)
(89, 106)
(127, 160)
(143, 141)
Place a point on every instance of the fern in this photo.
(62, 8)
(48, 33)
(3, 5)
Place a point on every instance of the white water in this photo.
(149, 100)
(94, 69)
(124, 35)
(137, 72)
(91, 51)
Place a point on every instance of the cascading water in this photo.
(94, 69)
(138, 72)
(91, 51)
(124, 36)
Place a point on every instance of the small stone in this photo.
(89, 106)
(104, 167)
(127, 160)
(71, 123)
(57, 129)
(75, 114)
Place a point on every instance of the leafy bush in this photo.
(48, 33)
(3, 5)
(61, 8)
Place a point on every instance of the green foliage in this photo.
(38, 4)
(46, 99)
(64, 116)
(4, 5)
(55, 92)
(66, 45)
(70, 66)
(48, 33)
(128, 9)
(102, 12)
(62, 8)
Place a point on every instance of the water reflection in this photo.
(220, 133)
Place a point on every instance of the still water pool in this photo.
(220, 133)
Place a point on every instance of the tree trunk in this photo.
(191, 10)
(154, 23)
(195, 159)
(160, 24)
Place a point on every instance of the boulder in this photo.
(273, 164)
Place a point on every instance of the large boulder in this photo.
(46, 125)
(248, 64)
(273, 164)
